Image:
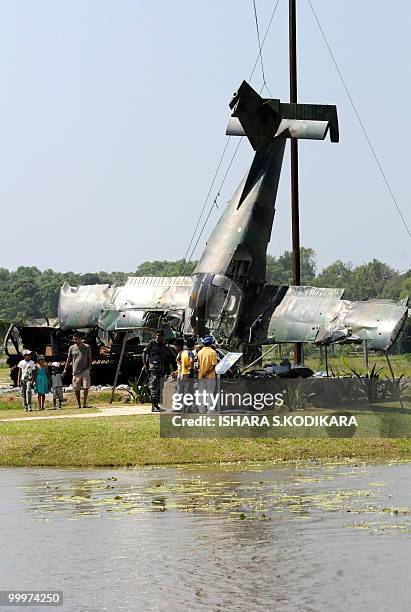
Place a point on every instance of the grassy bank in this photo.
(134, 440)
(401, 364)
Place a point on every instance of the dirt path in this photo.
(103, 411)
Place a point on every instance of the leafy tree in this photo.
(166, 268)
(90, 279)
(337, 274)
(279, 269)
(375, 279)
(4, 325)
(118, 278)
(405, 284)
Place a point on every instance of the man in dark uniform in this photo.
(154, 358)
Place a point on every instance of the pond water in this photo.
(244, 537)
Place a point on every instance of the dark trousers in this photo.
(187, 386)
(155, 381)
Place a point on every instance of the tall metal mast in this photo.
(295, 214)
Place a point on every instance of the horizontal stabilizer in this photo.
(262, 120)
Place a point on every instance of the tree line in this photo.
(28, 293)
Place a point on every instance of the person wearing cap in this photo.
(185, 360)
(80, 356)
(207, 359)
(56, 384)
(25, 379)
(41, 380)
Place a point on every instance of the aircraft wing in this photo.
(319, 315)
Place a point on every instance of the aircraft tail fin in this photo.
(262, 119)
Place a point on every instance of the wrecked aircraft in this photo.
(227, 295)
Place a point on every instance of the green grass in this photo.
(11, 407)
(400, 364)
(135, 440)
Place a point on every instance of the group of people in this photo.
(38, 377)
(194, 361)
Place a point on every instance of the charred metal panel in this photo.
(158, 281)
(159, 293)
(79, 307)
(296, 128)
(302, 312)
(128, 305)
(377, 321)
(288, 128)
(114, 320)
(311, 314)
(213, 306)
(313, 113)
(112, 308)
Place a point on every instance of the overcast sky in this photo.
(113, 116)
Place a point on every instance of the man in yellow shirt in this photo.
(185, 360)
(207, 359)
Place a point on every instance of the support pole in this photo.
(394, 379)
(120, 361)
(365, 353)
(295, 214)
(326, 360)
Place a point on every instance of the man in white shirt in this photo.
(25, 379)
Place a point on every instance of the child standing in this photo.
(25, 379)
(41, 380)
(56, 384)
